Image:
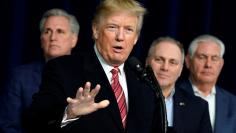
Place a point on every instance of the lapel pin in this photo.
(181, 104)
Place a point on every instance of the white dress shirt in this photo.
(169, 101)
(211, 99)
(107, 68)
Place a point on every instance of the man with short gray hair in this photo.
(205, 61)
(59, 33)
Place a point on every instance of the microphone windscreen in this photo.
(135, 64)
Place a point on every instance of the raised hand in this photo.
(83, 103)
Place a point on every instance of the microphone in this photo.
(135, 64)
(147, 75)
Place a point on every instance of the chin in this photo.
(118, 60)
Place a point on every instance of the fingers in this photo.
(71, 101)
(79, 93)
(85, 92)
(84, 102)
(95, 91)
(87, 89)
(103, 104)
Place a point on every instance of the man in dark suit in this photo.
(205, 61)
(76, 94)
(59, 31)
(186, 113)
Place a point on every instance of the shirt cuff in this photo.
(66, 121)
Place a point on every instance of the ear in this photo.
(95, 31)
(136, 39)
(222, 63)
(74, 40)
(187, 61)
(41, 42)
(181, 69)
(147, 61)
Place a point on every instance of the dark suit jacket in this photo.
(61, 79)
(17, 95)
(190, 113)
(225, 119)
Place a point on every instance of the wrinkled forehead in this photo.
(208, 48)
(57, 21)
(168, 50)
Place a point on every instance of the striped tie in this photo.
(119, 93)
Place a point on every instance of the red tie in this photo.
(119, 93)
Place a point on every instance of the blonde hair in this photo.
(108, 7)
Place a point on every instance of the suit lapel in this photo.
(180, 104)
(187, 86)
(96, 75)
(135, 105)
(131, 86)
(221, 111)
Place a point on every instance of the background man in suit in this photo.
(205, 61)
(78, 93)
(186, 113)
(59, 31)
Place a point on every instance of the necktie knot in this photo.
(115, 76)
(115, 71)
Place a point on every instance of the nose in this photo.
(120, 35)
(208, 63)
(164, 66)
(53, 36)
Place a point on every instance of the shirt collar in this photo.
(107, 68)
(199, 92)
(171, 95)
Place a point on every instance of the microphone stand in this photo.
(150, 78)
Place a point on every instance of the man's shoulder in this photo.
(185, 85)
(64, 61)
(24, 76)
(71, 64)
(29, 68)
(224, 93)
(71, 59)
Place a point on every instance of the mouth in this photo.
(117, 49)
(163, 76)
(207, 73)
(53, 45)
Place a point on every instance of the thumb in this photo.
(70, 100)
(103, 104)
